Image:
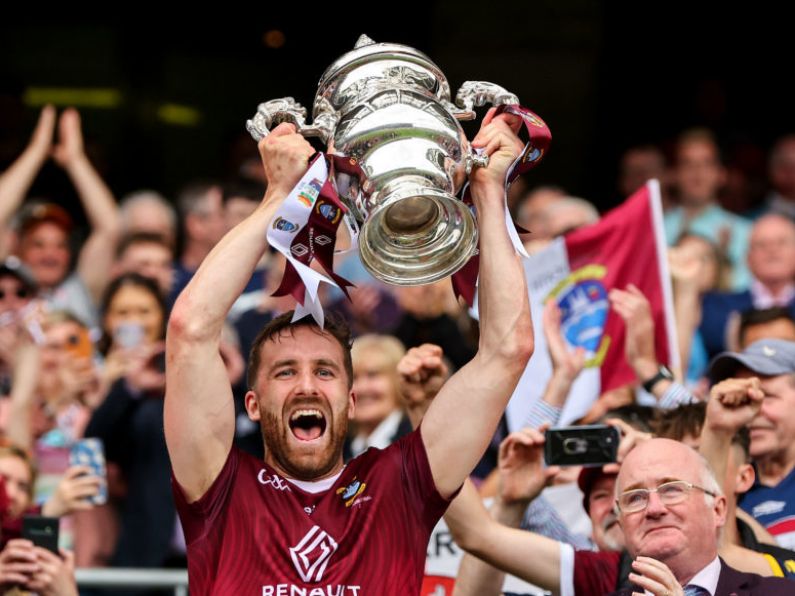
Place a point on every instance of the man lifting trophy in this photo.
(301, 520)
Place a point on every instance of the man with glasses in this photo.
(669, 506)
(671, 509)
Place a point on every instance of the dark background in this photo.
(175, 93)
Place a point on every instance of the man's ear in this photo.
(720, 510)
(351, 404)
(744, 479)
(252, 406)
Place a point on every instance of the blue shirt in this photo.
(710, 224)
(774, 508)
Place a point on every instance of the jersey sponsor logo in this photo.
(350, 492)
(272, 480)
(768, 508)
(293, 590)
(312, 554)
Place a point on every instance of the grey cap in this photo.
(766, 357)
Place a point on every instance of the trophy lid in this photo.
(366, 53)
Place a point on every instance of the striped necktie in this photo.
(693, 590)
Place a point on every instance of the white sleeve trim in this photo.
(566, 570)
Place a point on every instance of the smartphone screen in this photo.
(91, 453)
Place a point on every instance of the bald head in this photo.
(771, 250)
(665, 454)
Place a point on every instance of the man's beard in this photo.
(275, 436)
(609, 530)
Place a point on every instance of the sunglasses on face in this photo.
(20, 293)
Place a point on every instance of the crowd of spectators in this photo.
(82, 356)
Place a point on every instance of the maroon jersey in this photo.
(254, 532)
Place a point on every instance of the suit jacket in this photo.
(737, 583)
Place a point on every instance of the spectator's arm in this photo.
(532, 557)
(522, 476)
(566, 367)
(24, 357)
(732, 404)
(633, 307)
(16, 180)
(686, 270)
(99, 250)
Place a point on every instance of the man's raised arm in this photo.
(199, 412)
(462, 418)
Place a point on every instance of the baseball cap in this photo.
(35, 213)
(14, 267)
(766, 357)
(586, 480)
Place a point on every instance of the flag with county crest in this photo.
(626, 246)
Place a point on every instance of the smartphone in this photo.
(590, 445)
(128, 335)
(91, 453)
(41, 531)
(79, 344)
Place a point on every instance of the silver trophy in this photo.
(387, 108)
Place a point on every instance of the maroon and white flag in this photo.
(627, 246)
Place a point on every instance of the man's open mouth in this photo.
(307, 424)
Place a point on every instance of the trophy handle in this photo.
(476, 94)
(274, 112)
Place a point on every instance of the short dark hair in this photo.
(688, 420)
(759, 316)
(142, 238)
(334, 326)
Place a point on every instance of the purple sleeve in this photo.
(198, 517)
(417, 479)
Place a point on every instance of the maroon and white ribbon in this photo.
(465, 279)
(305, 228)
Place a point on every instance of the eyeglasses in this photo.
(20, 293)
(670, 493)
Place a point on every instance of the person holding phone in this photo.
(17, 479)
(129, 422)
(37, 569)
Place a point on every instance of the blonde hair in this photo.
(388, 347)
